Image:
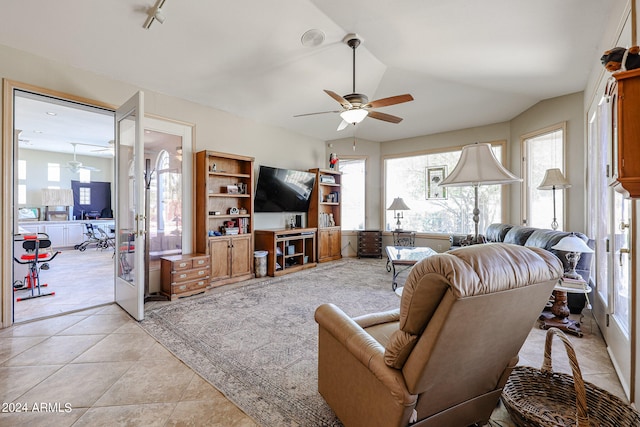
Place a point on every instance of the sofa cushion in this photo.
(496, 232)
(518, 235)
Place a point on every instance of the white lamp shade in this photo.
(572, 243)
(478, 166)
(553, 178)
(398, 205)
(354, 116)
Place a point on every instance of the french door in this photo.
(611, 223)
(130, 207)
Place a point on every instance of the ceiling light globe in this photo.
(354, 116)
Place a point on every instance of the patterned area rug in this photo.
(257, 342)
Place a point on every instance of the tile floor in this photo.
(107, 371)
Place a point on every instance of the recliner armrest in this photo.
(365, 349)
(368, 320)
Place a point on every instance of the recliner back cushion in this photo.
(473, 270)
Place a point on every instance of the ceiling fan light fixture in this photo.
(354, 116)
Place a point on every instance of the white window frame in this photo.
(345, 196)
(387, 198)
(529, 184)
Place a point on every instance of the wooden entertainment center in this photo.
(289, 249)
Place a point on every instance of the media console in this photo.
(289, 249)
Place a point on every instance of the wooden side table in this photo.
(558, 317)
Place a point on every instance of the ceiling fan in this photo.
(75, 166)
(356, 106)
(108, 150)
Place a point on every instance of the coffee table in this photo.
(405, 257)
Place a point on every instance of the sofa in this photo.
(546, 239)
(442, 358)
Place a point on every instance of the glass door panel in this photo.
(130, 219)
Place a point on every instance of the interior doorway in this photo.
(62, 194)
(46, 142)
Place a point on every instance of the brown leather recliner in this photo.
(444, 356)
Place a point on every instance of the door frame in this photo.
(155, 122)
(6, 182)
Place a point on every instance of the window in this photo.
(543, 150)
(22, 194)
(84, 175)
(414, 179)
(22, 169)
(53, 172)
(85, 195)
(353, 189)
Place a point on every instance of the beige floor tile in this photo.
(149, 415)
(79, 385)
(199, 389)
(96, 324)
(41, 419)
(149, 382)
(206, 413)
(118, 347)
(17, 380)
(55, 350)
(12, 346)
(44, 327)
(158, 352)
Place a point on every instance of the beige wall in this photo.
(569, 109)
(214, 129)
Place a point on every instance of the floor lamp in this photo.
(553, 178)
(478, 166)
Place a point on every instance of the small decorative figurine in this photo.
(333, 159)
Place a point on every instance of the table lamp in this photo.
(574, 247)
(478, 166)
(553, 178)
(398, 205)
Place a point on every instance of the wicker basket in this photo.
(540, 397)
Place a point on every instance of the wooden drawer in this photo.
(186, 262)
(187, 275)
(370, 243)
(178, 290)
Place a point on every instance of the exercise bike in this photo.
(37, 256)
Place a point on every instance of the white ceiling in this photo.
(466, 62)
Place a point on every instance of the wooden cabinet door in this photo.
(241, 255)
(220, 258)
(335, 241)
(324, 244)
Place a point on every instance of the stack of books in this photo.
(569, 282)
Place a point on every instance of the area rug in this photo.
(257, 342)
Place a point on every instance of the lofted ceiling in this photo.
(466, 62)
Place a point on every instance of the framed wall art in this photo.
(434, 176)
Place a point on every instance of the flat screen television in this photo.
(283, 190)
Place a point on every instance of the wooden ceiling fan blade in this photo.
(319, 112)
(392, 100)
(341, 100)
(384, 117)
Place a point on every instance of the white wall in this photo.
(37, 178)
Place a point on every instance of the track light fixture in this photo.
(155, 14)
